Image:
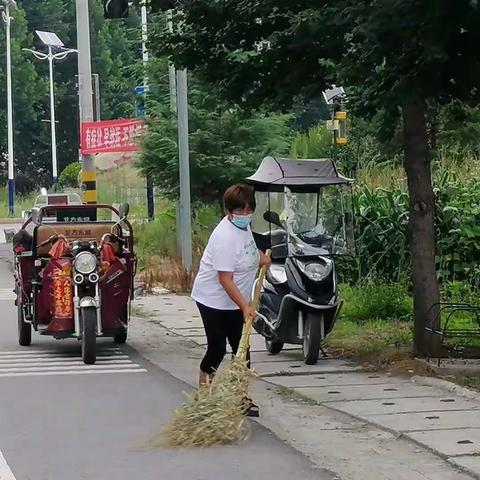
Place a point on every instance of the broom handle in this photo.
(247, 327)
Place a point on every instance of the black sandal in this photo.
(251, 410)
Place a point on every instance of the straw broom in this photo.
(215, 414)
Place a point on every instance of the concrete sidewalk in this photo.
(445, 423)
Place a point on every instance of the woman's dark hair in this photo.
(239, 196)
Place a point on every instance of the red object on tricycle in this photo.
(75, 279)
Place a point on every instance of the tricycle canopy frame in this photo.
(52, 209)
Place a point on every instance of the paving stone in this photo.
(298, 367)
(288, 354)
(461, 441)
(366, 392)
(335, 379)
(470, 462)
(179, 321)
(409, 422)
(368, 408)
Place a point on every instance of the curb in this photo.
(447, 386)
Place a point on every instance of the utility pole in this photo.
(11, 177)
(89, 174)
(179, 106)
(184, 170)
(150, 196)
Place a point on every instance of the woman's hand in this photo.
(265, 260)
(249, 313)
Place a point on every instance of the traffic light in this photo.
(115, 8)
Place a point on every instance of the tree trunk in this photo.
(426, 294)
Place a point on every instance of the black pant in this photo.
(220, 326)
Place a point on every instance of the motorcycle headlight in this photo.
(85, 263)
(316, 271)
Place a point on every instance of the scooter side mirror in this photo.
(273, 217)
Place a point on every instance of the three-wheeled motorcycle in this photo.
(304, 216)
(74, 274)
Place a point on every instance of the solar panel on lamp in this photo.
(50, 39)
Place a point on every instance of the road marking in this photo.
(69, 362)
(29, 352)
(7, 294)
(56, 358)
(80, 372)
(21, 363)
(5, 472)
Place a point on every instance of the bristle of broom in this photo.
(215, 414)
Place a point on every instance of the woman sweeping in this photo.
(223, 286)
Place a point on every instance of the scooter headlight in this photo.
(316, 272)
(85, 263)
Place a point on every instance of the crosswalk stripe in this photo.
(64, 367)
(45, 358)
(42, 362)
(44, 353)
(7, 294)
(71, 361)
(70, 372)
(103, 351)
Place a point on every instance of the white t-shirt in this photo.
(229, 249)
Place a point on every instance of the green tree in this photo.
(69, 175)
(399, 57)
(28, 90)
(115, 48)
(226, 144)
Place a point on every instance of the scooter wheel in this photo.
(273, 347)
(312, 337)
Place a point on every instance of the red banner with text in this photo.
(111, 136)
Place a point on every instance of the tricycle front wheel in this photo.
(89, 335)
(24, 329)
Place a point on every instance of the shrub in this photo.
(381, 301)
(69, 176)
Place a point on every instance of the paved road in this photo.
(62, 420)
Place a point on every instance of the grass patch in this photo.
(376, 301)
(22, 202)
(366, 340)
(469, 382)
(158, 250)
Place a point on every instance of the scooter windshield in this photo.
(316, 222)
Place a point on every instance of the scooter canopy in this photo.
(274, 174)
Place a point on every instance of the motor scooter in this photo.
(300, 301)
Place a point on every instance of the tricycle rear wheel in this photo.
(24, 329)
(89, 335)
(121, 337)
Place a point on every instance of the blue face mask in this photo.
(241, 221)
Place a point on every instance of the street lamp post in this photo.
(52, 42)
(11, 179)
